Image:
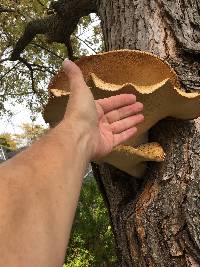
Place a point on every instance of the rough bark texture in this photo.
(156, 220)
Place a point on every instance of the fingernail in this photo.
(66, 64)
(140, 105)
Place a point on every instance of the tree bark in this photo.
(156, 219)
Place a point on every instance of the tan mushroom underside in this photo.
(154, 83)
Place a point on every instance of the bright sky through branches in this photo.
(21, 113)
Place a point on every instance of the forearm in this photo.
(39, 190)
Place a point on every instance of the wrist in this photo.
(76, 135)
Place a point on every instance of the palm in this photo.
(105, 132)
(116, 116)
(117, 121)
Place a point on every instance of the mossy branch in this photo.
(33, 28)
(6, 9)
(58, 27)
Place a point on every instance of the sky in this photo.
(21, 115)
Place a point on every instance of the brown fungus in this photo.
(154, 83)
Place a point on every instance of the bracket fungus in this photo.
(154, 83)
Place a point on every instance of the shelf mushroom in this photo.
(154, 83)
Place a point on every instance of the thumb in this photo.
(75, 76)
(81, 97)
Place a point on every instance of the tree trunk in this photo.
(156, 219)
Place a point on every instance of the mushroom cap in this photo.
(154, 83)
(115, 67)
(133, 160)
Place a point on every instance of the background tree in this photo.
(7, 145)
(8, 141)
(25, 81)
(91, 242)
(155, 219)
(30, 133)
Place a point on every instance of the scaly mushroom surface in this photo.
(154, 83)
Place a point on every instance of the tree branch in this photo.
(70, 51)
(1, 78)
(6, 9)
(33, 28)
(40, 3)
(48, 50)
(86, 44)
(17, 94)
(57, 27)
(40, 67)
(4, 59)
(28, 65)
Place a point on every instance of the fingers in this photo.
(127, 123)
(74, 74)
(124, 112)
(125, 128)
(116, 102)
(124, 136)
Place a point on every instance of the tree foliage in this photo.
(92, 242)
(8, 141)
(30, 133)
(25, 81)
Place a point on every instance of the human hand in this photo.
(108, 122)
